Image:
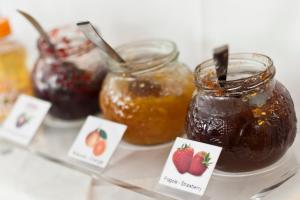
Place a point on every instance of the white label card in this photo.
(190, 165)
(24, 119)
(96, 141)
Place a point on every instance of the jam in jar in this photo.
(71, 76)
(14, 76)
(251, 116)
(149, 93)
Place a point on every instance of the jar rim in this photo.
(68, 41)
(166, 52)
(239, 85)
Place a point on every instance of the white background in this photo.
(271, 27)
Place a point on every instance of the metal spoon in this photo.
(38, 27)
(221, 62)
(91, 33)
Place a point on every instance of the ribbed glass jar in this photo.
(252, 117)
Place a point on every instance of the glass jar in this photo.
(70, 78)
(252, 117)
(14, 76)
(150, 93)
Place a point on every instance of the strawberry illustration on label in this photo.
(200, 163)
(22, 120)
(182, 158)
(97, 140)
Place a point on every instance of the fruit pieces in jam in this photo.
(254, 133)
(153, 108)
(71, 77)
(73, 92)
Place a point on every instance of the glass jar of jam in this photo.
(251, 116)
(149, 93)
(71, 77)
(14, 76)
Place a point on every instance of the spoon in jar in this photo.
(92, 34)
(38, 27)
(221, 63)
(139, 87)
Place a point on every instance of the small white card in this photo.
(190, 165)
(96, 141)
(24, 119)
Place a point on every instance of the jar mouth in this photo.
(145, 55)
(68, 40)
(246, 72)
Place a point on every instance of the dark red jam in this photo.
(254, 127)
(69, 78)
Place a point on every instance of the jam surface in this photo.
(153, 106)
(73, 92)
(69, 75)
(252, 136)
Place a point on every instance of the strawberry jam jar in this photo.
(150, 93)
(71, 77)
(251, 117)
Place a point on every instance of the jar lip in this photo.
(239, 85)
(146, 62)
(67, 39)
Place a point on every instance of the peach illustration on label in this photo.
(97, 141)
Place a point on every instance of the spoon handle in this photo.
(91, 33)
(36, 25)
(221, 63)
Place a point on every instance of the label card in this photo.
(24, 119)
(190, 165)
(96, 141)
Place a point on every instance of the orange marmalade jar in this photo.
(150, 93)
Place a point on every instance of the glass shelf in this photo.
(139, 168)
